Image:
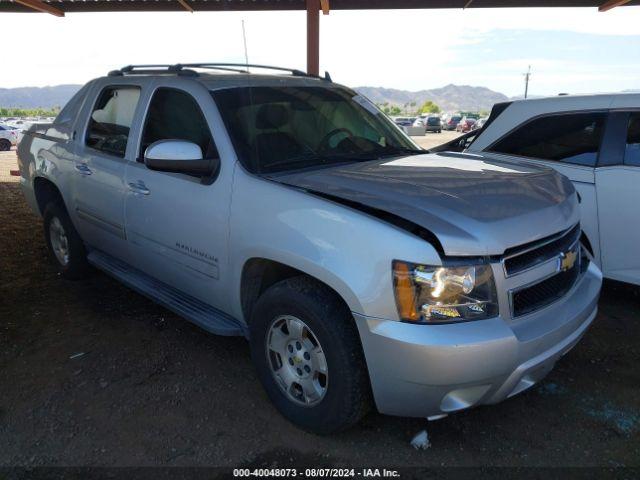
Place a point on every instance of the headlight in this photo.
(430, 294)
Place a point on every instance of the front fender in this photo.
(348, 250)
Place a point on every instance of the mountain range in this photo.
(448, 98)
(37, 97)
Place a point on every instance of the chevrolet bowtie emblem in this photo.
(567, 260)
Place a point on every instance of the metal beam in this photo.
(324, 4)
(186, 6)
(611, 4)
(41, 7)
(313, 37)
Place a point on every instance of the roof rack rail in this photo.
(186, 69)
(149, 69)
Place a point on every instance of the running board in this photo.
(194, 310)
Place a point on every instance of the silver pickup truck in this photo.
(290, 210)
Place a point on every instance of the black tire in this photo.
(76, 267)
(5, 145)
(348, 392)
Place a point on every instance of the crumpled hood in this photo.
(474, 204)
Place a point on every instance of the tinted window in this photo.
(111, 120)
(632, 149)
(70, 110)
(283, 128)
(572, 138)
(175, 115)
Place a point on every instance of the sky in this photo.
(569, 50)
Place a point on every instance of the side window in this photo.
(632, 148)
(111, 120)
(70, 110)
(571, 138)
(175, 115)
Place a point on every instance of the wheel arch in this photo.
(45, 192)
(260, 273)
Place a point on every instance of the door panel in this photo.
(99, 201)
(619, 204)
(178, 231)
(177, 226)
(99, 169)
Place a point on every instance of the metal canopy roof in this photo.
(63, 6)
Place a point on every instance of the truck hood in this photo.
(474, 204)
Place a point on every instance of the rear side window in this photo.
(111, 120)
(632, 148)
(175, 115)
(70, 110)
(571, 138)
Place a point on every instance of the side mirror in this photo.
(179, 156)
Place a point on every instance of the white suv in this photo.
(8, 137)
(595, 141)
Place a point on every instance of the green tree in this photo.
(28, 112)
(429, 107)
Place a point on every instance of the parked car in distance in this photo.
(458, 144)
(451, 122)
(465, 125)
(433, 124)
(480, 123)
(404, 121)
(595, 141)
(362, 270)
(8, 137)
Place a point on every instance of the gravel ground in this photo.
(93, 374)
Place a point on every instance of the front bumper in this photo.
(430, 370)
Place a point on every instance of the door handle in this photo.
(139, 187)
(83, 168)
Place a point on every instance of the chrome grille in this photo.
(523, 258)
(545, 292)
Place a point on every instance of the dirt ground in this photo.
(92, 373)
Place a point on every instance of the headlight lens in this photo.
(431, 294)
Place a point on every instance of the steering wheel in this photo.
(324, 143)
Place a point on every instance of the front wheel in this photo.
(65, 245)
(5, 145)
(307, 351)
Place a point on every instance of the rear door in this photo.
(570, 143)
(99, 167)
(617, 181)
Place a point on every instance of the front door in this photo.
(618, 188)
(177, 224)
(99, 170)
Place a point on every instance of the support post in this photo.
(606, 6)
(313, 37)
(41, 7)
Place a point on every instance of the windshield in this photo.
(284, 128)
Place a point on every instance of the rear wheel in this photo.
(65, 245)
(5, 145)
(308, 355)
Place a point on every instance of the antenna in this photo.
(527, 76)
(244, 38)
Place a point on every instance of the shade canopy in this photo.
(245, 5)
(312, 7)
